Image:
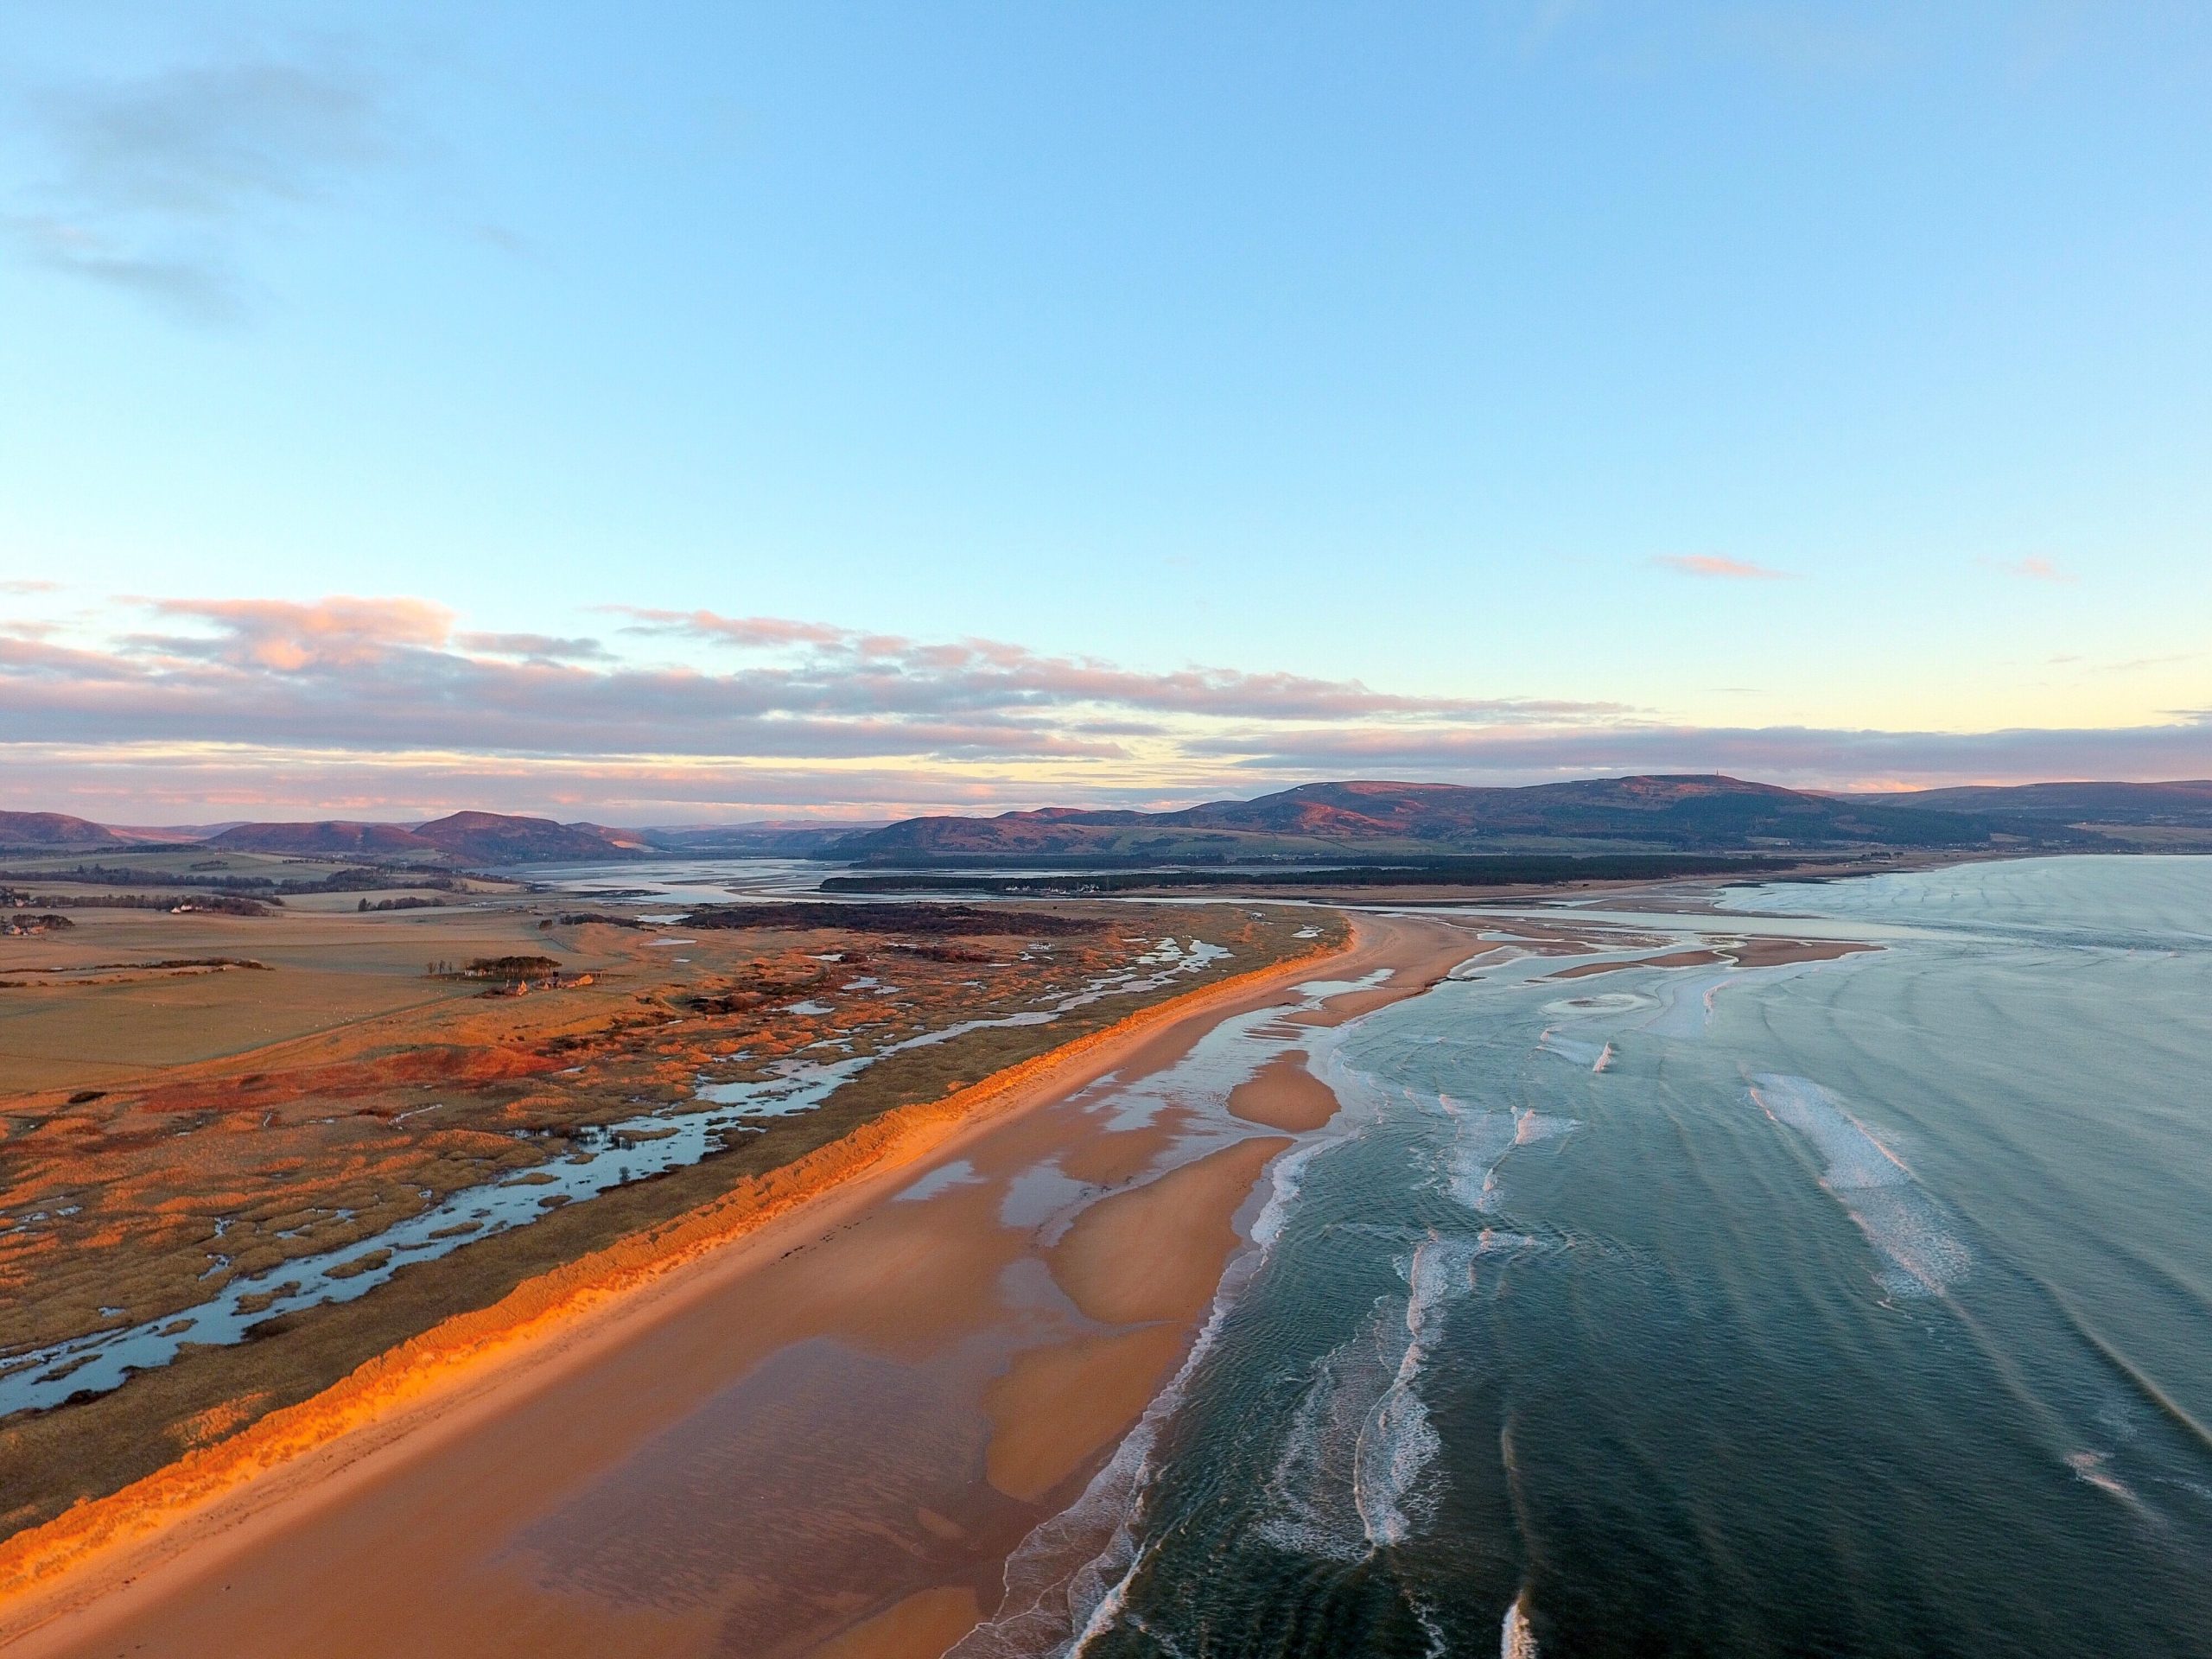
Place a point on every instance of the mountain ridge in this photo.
(1353, 817)
(1674, 812)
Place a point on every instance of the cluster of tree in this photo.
(506, 967)
(24, 922)
(402, 903)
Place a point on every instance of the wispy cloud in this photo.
(2033, 569)
(540, 646)
(207, 708)
(152, 185)
(1713, 567)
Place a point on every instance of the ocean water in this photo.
(1859, 1307)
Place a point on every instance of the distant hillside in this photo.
(463, 837)
(759, 838)
(339, 836)
(495, 838)
(1704, 813)
(2185, 804)
(26, 830)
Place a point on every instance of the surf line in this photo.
(1059, 1604)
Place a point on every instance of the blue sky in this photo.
(1820, 390)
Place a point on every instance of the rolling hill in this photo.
(1374, 819)
(462, 837)
(2175, 805)
(47, 831)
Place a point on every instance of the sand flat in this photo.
(1156, 1251)
(1284, 1095)
(1059, 1407)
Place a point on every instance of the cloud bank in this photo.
(203, 709)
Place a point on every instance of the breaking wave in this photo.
(1872, 1185)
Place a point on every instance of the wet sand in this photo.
(823, 1438)
(1741, 953)
(1284, 1095)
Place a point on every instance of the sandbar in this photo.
(1284, 1095)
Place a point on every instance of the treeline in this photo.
(1503, 870)
(497, 967)
(351, 880)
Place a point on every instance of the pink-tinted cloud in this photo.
(332, 634)
(1712, 567)
(380, 707)
(1813, 757)
(2035, 570)
(543, 646)
(754, 632)
(888, 669)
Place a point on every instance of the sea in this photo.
(1859, 1306)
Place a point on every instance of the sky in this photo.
(702, 412)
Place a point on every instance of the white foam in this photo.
(2094, 1467)
(1360, 1441)
(1685, 1004)
(1574, 1049)
(1532, 1126)
(1397, 1443)
(1872, 1184)
(1515, 1639)
(1067, 1582)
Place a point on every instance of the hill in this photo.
(26, 830)
(1372, 819)
(339, 836)
(461, 837)
(757, 838)
(497, 838)
(2185, 804)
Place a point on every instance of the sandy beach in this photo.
(824, 1436)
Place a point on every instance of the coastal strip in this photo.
(101, 1542)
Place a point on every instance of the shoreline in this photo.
(96, 1564)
